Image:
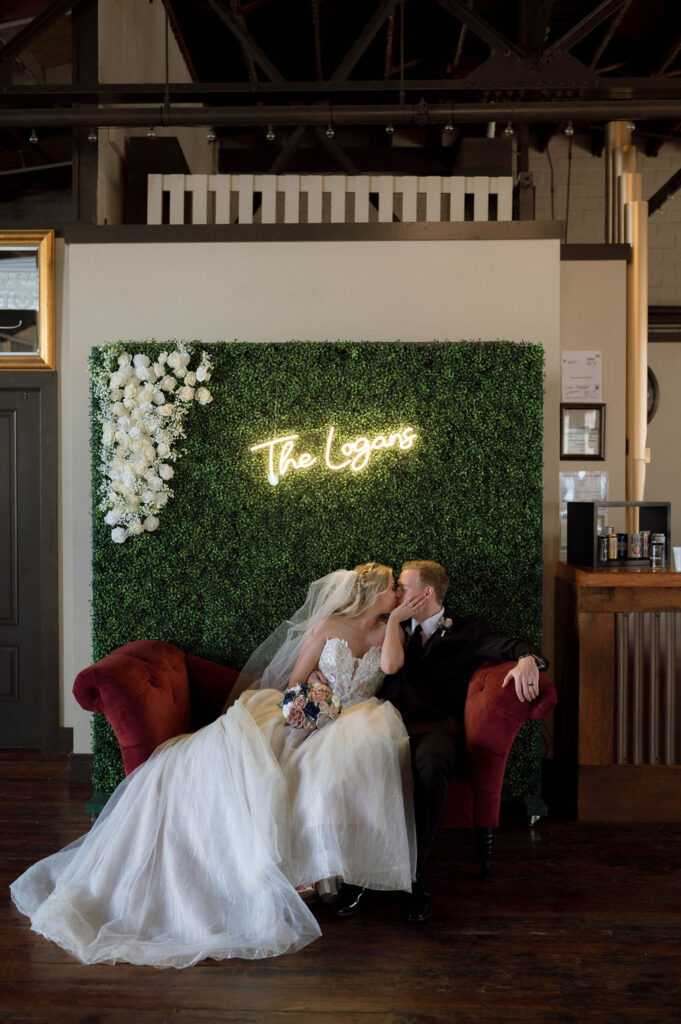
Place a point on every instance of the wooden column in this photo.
(636, 228)
(626, 220)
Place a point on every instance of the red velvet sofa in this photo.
(150, 690)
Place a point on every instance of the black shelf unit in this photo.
(582, 537)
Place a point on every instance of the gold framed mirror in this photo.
(27, 331)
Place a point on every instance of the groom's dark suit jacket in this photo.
(432, 685)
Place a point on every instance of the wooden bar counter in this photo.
(618, 673)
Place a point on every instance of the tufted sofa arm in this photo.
(149, 691)
(492, 718)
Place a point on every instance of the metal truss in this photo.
(525, 83)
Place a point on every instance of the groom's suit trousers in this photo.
(435, 755)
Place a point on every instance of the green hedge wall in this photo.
(233, 554)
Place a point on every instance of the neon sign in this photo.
(354, 455)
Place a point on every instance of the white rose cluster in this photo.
(143, 407)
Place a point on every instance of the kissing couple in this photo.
(203, 850)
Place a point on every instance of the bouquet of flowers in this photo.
(310, 706)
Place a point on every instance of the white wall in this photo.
(276, 292)
(593, 316)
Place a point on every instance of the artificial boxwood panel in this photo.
(233, 555)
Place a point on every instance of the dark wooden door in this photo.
(29, 671)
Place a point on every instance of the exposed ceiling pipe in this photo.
(35, 168)
(420, 113)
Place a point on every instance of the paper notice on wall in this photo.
(582, 379)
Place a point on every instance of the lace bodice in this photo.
(351, 678)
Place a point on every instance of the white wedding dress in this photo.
(198, 852)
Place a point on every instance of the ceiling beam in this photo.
(336, 151)
(317, 36)
(608, 34)
(671, 55)
(247, 42)
(368, 114)
(533, 21)
(668, 87)
(497, 42)
(362, 42)
(179, 39)
(284, 157)
(663, 193)
(458, 53)
(248, 60)
(582, 28)
(389, 39)
(35, 28)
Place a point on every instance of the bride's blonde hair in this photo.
(372, 580)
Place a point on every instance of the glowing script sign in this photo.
(354, 455)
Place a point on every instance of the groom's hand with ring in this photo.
(525, 675)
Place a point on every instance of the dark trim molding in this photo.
(586, 251)
(664, 323)
(80, 767)
(512, 230)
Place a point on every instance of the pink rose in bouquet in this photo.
(296, 718)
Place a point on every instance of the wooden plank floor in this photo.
(580, 922)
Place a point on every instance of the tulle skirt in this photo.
(198, 852)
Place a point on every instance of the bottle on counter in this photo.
(635, 547)
(612, 544)
(658, 543)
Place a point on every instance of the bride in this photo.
(200, 850)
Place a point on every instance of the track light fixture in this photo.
(269, 134)
(390, 129)
(569, 129)
(92, 135)
(449, 128)
(631, 126)
(151, 134)
(330, 131)
(33, 136)
(210, 135)
(508, 130)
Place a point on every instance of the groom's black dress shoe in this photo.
(352, 898)
(418, 904)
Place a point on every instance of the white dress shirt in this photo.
(429, 625)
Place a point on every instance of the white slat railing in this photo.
(324, 199)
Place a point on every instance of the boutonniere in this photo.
(444, 625)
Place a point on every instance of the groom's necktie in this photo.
(414, 645)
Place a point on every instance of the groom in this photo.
(442, 651)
